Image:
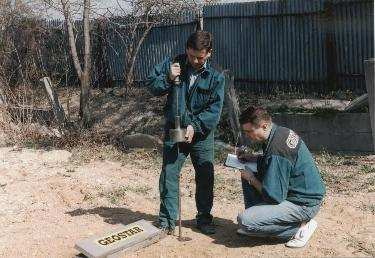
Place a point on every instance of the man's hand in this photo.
(189, 133)
(247, 157)
(248, 176)
(174, 71)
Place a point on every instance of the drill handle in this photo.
(177, 81)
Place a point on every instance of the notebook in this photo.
(233, 162)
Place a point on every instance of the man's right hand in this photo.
(174, 71)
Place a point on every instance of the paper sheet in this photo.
(233, 162)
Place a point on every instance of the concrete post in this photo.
(58, 110)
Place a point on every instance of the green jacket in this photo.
(199, 106)
(288, 171)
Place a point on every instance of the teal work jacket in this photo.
(288, 170)
(199, 105)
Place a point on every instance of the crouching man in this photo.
(282, 199)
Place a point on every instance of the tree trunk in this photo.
(71, 39)
(84, 110)
(86, 75)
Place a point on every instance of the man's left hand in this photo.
(248, 176)
(189, 134)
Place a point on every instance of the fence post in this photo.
(370, 85)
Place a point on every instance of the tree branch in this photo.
(71, 38)
(86, 31)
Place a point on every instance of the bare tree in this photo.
(17, 57)
(83, 73)
(140, 17)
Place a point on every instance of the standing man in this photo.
(200, 104)
(282, 199)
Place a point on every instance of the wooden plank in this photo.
(124, 239)
(357, 103)
(370, 86)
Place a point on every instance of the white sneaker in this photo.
(240, 231)
(303, 235)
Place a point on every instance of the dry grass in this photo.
(18, 131)
(347, 172)
(342, 173)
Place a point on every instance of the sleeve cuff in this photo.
(188, 119)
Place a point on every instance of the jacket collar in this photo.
(269, 139)
(204, 72)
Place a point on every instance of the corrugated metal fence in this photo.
(314, 45)
(352, 27)
(291, 45)
(270, 44)
(162, 41)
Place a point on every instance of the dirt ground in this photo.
(52, 198)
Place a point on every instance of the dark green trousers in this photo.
(201, 151)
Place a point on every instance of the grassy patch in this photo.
(116, 195)
(361, 246)
(144, 159)
(329, 178)
(326, 158)
(227, 187)
(88, 197)
(369, 184)
(344, 172)
(317, 111)
(91, 152)
(70, 170)
(367, 169)
(140, 189)
(368, 207)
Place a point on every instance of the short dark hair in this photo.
(200, 40)
(254, 115)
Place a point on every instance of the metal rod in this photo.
(179, 213)
(179, 199)
(177, 96)
(177, 99)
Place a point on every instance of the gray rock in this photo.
(140, 140)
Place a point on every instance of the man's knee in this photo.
(247, 221)
(252, 223)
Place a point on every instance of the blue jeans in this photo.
(272, 220)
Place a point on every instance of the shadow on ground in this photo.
(225, 235)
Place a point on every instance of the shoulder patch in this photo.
(292, 140)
